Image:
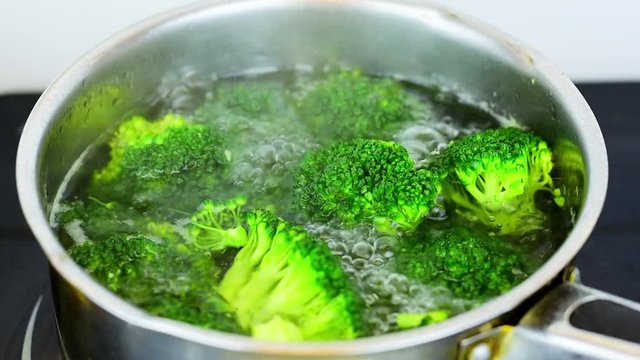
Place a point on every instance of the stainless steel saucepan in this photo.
(418, 41)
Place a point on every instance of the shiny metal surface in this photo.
(571, 322)
(414, 40)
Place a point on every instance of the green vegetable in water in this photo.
(244, 110)
(204, 218)
(219, 226)
(471, 265)
(251, 100)
(366, 181)
(286, 286)
(349, 104)
(166, 279)
(150, 160)
(414, 320)
(494, 177)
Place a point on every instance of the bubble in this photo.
(350, 270)
(378, 260)
(339, 249)
(429, 136)
(363, 250)
(398, 283)
(359, 263)
(270, 156)
(181, 91)
(370, 299)
(397, 299)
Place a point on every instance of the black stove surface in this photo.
(610, 260)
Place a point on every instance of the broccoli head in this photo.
(80, 220)
(494, 176)
(472, 266)
(157, 162)
(115, 262)
(365, 180)
(148, 150)
(243, 109)
(218, 226)
(286, 286)
(349, 104)
(166, 279)
(250, 100)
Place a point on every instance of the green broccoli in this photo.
(166, 279)
(349, 104)
(286, 286)
(494, 176)
(406, 321)
(117, 261)
(218, 226)
(250, 100)
(243, 109)
(366, 180)
(472, 266)
(81, 220)
(159, 162)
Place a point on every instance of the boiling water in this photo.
(264, 152)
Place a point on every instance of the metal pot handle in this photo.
(571, 322)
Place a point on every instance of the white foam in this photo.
(75, 231)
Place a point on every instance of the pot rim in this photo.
(42, 117)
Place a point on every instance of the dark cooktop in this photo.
(610, 261)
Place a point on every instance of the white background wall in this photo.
(590, 40)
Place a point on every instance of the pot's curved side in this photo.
(419, 42)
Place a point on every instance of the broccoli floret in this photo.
(472, 266)
(162, 230)
(366, 180)
(251, 100)
(349, 104)
(494, 176)
(210, 312)
(218, 226)
(242, 109)
(166, 279)
(94, 219)
(116, 261)
(173, 152)
(159, 162)
(286, 286)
